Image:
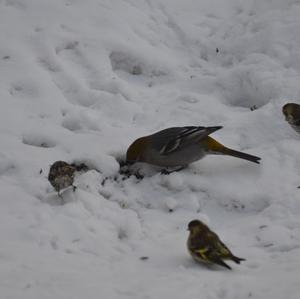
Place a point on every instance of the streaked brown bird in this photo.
(206, 247)
(291, 112)
(61, 175)
(180, 146)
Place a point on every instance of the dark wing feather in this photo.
(185, 136)
(219, 246)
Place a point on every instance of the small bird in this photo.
(61, 175)
(291, 112)
(205, 246)
(180, 146)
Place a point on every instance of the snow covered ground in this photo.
(80, 80)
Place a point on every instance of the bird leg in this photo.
(138, 175)
(61, 198)
(166, 172)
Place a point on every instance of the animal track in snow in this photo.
(23, 89)
(5, 165)
(38, 139)
(70, 45)
(134, 65)
(78, 80)
(15, 4)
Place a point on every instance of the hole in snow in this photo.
(125, 62)
(69, 45)
(122, 233)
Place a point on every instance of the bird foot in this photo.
(166, 171)
(138, 175)
(62, 201)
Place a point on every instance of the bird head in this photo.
(291, 111)
(287, 110)
(136, 150)
(196, 226)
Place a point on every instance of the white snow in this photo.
(80, 80)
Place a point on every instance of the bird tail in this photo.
(214, 147)
(237, 259)
(80, 167)
(210, 130)
(222, 263)
(241, 155)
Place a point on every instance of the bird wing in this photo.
(210, 249)
(219, 246)
(176, 138)
(203, 247)
(210, 255)
(203, 253)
